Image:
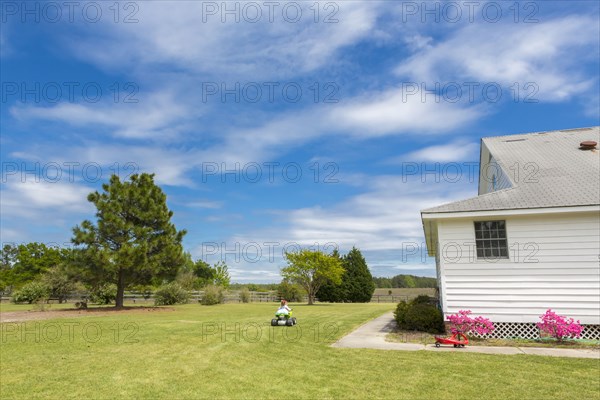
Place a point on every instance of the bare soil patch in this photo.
(21, 316)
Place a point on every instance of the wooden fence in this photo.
(255, 297)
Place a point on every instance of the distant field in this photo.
(412, 292)
(399, 294)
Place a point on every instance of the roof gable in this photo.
(547, 170)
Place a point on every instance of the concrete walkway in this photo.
(372, 336)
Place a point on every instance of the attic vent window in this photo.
(515, 140)
(587, 145)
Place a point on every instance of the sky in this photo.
(273, 126)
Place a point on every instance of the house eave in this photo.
(497, 213)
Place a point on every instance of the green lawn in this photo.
(166, 355)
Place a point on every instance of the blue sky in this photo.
(284, 124)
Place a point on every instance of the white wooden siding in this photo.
(560, 269)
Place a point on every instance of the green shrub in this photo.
(31, 292)
(420, 314)
(145, 291)
(289, 291)
(423, 299)
(105, 293)
(171, 293)
(245, 295)
(58, 283)
(212, 295)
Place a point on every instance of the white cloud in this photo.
(458, 151)
(45, 200)
(551, 54)
(158, 116)
(400, 110)
(205, 204)
(202, 42)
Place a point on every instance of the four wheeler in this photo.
(458, 339)
(283, 319)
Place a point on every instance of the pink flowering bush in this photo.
(558, 326)
(465, 323)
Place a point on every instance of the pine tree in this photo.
(134, 241)
(357, 282)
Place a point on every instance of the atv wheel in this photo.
(274, 322)
(289, 322)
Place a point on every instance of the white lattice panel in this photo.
(591, 332)
(508, 330)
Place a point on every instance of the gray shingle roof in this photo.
(564, 175)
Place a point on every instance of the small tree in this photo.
(310, 269)
(221, 275)
(59, 284)
(204, 273)
(187, 280)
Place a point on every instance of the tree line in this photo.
(133, 245)
(405, 281)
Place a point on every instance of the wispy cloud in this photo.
(205, 204)
(159, 116)
(551, 54)
(28, 196)
(273, 46)
(458, 151)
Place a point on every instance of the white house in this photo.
(530, 240)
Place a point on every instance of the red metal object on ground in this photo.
(458, 339)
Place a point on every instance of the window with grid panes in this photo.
(490, 239)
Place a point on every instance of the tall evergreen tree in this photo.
(357, 284)
(134, 241)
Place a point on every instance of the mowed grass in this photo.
(199, 352)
